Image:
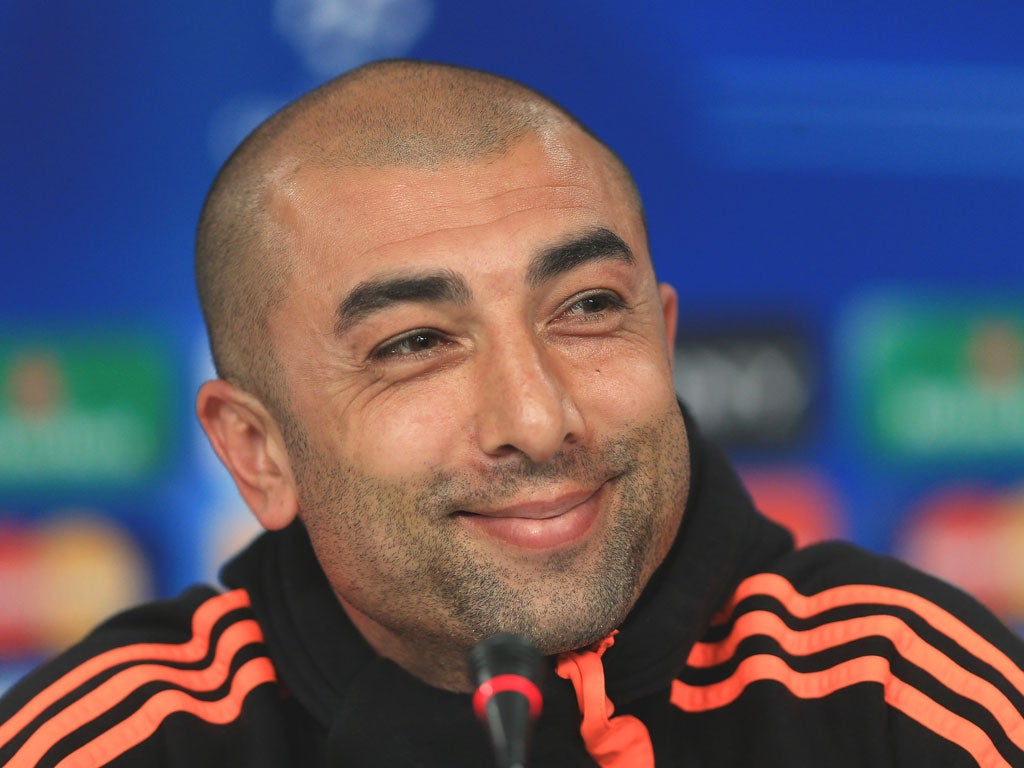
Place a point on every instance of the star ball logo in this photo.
(334, 35)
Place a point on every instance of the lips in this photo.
(545, 524)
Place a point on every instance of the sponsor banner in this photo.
(972, 536)
(61, 576)
(939, 380)
(83, 411)
(747, 388)
(798, 499)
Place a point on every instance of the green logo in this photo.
(83, 410)
(939, 381)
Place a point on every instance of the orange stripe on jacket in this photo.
(141, 725)
(206, 615)
(812, 685)
(124, 683)
(909, 645)
(803, 607)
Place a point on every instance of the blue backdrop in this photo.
(836, 190)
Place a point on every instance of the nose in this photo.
(525, 403)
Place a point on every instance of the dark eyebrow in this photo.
(375, 295)
(594, 245)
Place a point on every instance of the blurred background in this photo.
(836, 190)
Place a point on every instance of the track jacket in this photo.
(741, 652)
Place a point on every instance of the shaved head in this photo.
(384, 114)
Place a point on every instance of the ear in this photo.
(670, 312)
(249, 443)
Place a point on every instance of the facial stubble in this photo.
(393, 549)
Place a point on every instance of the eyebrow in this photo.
(443, 286)
(374, 295)
(595, 245)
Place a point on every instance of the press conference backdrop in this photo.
(836, 190)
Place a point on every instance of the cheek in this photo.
(416, 432)
(624, 383)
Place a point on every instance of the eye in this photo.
(595, 303)
(411, 345)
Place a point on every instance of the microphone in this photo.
(507, 700)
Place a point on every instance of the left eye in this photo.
(594, 303)
(410, 345)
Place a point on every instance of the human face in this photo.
(482, 427)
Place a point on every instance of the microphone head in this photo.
(505, 654)
(507, 670)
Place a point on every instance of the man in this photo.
(446, 392)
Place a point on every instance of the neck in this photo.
(438, 663)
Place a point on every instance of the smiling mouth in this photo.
(538, 525)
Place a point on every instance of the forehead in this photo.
(348, 224)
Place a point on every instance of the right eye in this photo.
(412, 345)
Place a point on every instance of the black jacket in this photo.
(741, 652)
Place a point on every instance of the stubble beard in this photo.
(393, 550)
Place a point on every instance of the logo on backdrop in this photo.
(335, 35)
(972, 536)
(62, 575)
(747, 388)
(800, 499)
(83, 411)
(330, 36)
(940, 381)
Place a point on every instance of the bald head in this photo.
(385, 114)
